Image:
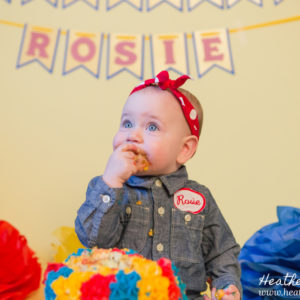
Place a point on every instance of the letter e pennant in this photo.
(212, 49)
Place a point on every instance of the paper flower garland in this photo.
(20, 271)
(112, 274)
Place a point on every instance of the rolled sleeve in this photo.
(100, 201)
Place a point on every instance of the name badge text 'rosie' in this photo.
(189, 200)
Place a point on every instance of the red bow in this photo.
(164, 82)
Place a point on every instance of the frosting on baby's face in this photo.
(152, 120)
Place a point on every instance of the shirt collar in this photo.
(172, 182)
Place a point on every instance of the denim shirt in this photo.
(141, 216)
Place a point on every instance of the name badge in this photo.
(188, 200)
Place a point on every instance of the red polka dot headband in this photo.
(162, 80)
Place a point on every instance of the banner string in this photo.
(233, 30)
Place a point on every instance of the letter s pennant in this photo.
(83, 50)
(39, 45)
(125, 52)
(212, 49)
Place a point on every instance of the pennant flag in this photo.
(92, 3)
(38, 44)
(277, 1)
(137, 4)
(169, 52)
(212, 49)
(231, 3)
(125, 52)
(151, 4)
(52, 2)
(194, 3)
(83, 50)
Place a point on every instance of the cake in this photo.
(142, 161)
(112, 274)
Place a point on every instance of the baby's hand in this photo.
(230, 293)
(123, 163)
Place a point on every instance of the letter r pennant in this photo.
(38, 45)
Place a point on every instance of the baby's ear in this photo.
(188, 148)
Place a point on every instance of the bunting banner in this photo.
(169, 52)
(137, 4)
(125, 53)
(151, 4)
(38, 45)
(83, 50)
(212, 49)
(92, 3)
(231, 3)
(52, 2)
(192, 4)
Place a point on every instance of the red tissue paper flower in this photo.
(97, 288)
(166, 266)
(20, 271)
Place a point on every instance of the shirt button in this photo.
(187, 218)
(105, 198)
(160, 247)
(161, 210)
(128, 210)
(158, 183)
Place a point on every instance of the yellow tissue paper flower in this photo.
(145, 267)
(69, 243)
(153, 288)
(69, 288)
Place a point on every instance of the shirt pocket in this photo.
(186, 236)
(135, 232)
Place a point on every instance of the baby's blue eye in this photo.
(127, 124)
(152, 127)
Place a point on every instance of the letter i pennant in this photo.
(125, 52)
(212, 49)
(169, 52)
(40, 45)
(83, 50)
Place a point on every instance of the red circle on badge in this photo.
(188, 200)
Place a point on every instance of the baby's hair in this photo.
(197, 105)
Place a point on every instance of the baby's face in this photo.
(152, 119)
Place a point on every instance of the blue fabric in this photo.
(270, 259)
(122, 217)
